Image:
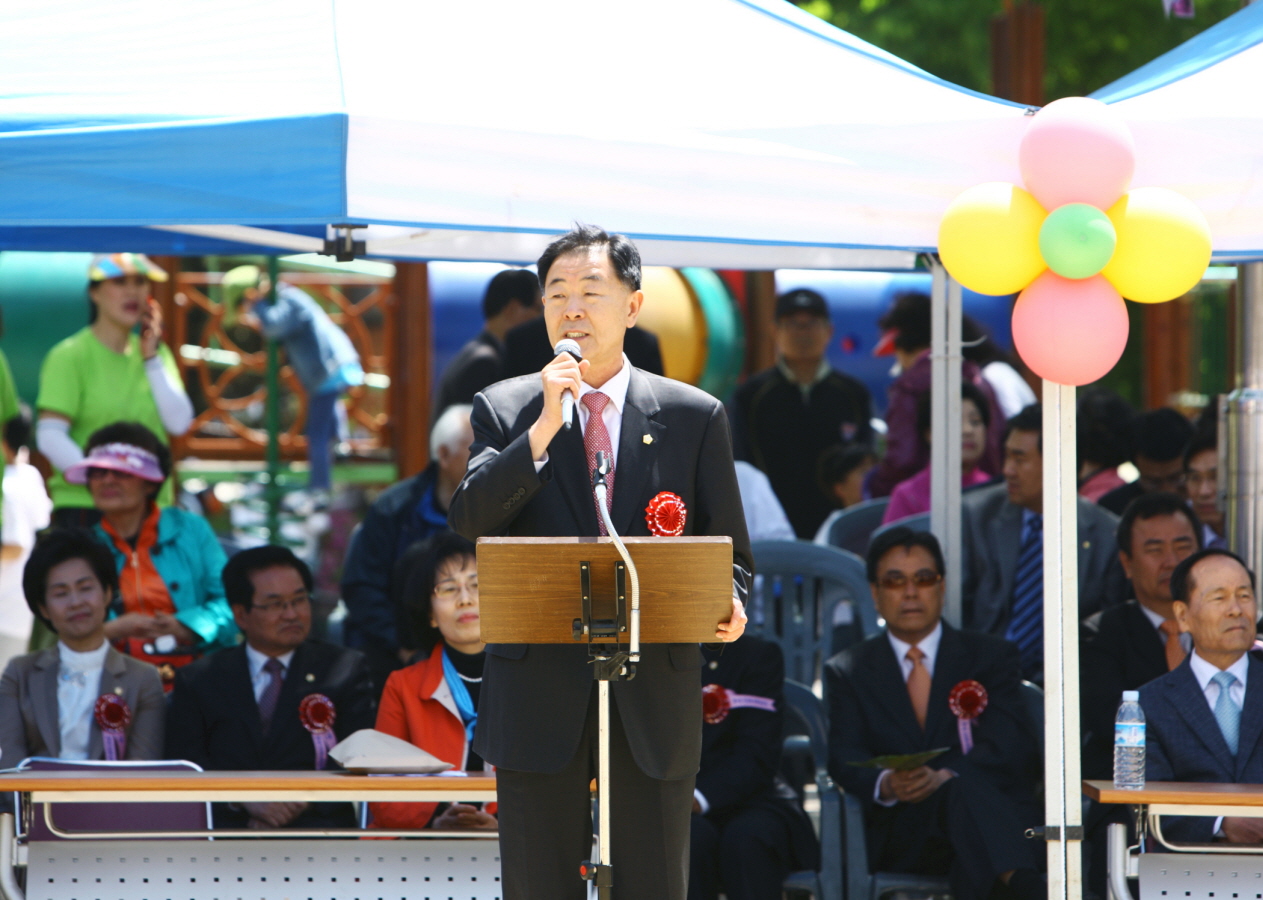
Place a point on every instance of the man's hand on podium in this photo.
(735, 627)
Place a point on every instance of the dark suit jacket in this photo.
(1183, 741)
(992, 529)
(476, 365)
(1117, 500)
(28, 706)
(870, 714)
(214, 718)
(527, 349)
(1120, 650)
(535, 699)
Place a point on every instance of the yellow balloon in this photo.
(1163, 245)
(989, 238)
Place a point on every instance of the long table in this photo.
(343, 864)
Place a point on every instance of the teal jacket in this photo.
(190, 560)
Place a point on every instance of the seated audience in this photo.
(1201, 479)
(1203, 721)
(170, 608)
(403, 514)
(26, 509)
(765, 517)
(1132, 643)
(912, 496)
(906, 336)
(1012, 392)
(748, 830)
(1104, 431)
(1003, 549)
(841, 471)
(1159, 438)
(433, 703)
(242, 708)
(49, 699)
(962, 814)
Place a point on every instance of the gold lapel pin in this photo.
(119, 691)
(310, 677)
(648, 439)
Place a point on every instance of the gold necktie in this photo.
(919, 685)
(1175, 650)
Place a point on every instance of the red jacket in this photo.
(417, 706)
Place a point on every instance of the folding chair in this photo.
(851, 528)
(805, 759)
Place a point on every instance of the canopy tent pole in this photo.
(1241, 426)
(272, 416)
(1063, 810)
(945, 359)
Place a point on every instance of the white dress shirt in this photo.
(616, 389)
(928, 646)
(78, 687)
(260, 679)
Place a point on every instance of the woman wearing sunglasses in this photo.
(433, 703)
(170, 608)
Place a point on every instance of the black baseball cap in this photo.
(801, 300)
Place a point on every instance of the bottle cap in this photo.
(1131, 696)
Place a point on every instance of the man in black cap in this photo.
(785, 417)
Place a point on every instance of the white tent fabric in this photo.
(716, 132)
(1197, 116)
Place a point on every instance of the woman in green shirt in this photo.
(107, 372)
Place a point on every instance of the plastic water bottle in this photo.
(1129, 743)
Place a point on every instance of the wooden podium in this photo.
(578, 590)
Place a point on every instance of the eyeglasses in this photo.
(894, 581)
(1196, 479)
(1166, 483)
(273, 609)
(450, 590)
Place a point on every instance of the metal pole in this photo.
(273, 419)
(945, 361)
(1062, 781)
(1241, 425)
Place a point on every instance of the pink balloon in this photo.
(1077, 150)
(1070, 331)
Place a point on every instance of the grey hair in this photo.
(449, 428)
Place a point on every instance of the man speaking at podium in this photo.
(528, 475)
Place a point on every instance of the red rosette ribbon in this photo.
(317, 713)
(967, 702)
(112, 716)
(718, 701)
(666, 515)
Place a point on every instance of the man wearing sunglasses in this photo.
(963, 813)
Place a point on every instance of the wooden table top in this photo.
(1170, 793)
(114, 780)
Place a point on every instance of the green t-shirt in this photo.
(93, 386)
(8, 401)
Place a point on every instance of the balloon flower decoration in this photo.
(1075, 242)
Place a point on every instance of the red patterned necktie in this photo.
(597, 438)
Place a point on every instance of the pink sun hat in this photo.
(126, 458)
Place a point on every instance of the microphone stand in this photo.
(611, 663)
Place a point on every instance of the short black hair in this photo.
(1029, 418)
(839, 461)
(1205, 438)
(977, 344)
(968, 391)
(59, 545)
(1182, 577)
(1161, 434)
(909, 315)
(239, 589)
(417, 573)
(17, 431)
(519, 286)
(624, 257)
(1147, 506)
(1103, 426)
(135, 434)
(905, 537)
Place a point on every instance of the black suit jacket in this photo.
(535, 699)
(214, 719)
(527, 349)
(476, 365)
(1183, 741)
(1120, 651)
(870, 714)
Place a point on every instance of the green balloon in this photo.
(1077, 240)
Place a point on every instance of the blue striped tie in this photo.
(1227, 713)
(1026, 620)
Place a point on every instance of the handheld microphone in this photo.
(566, 345)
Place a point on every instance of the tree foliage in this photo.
(1088, 43)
